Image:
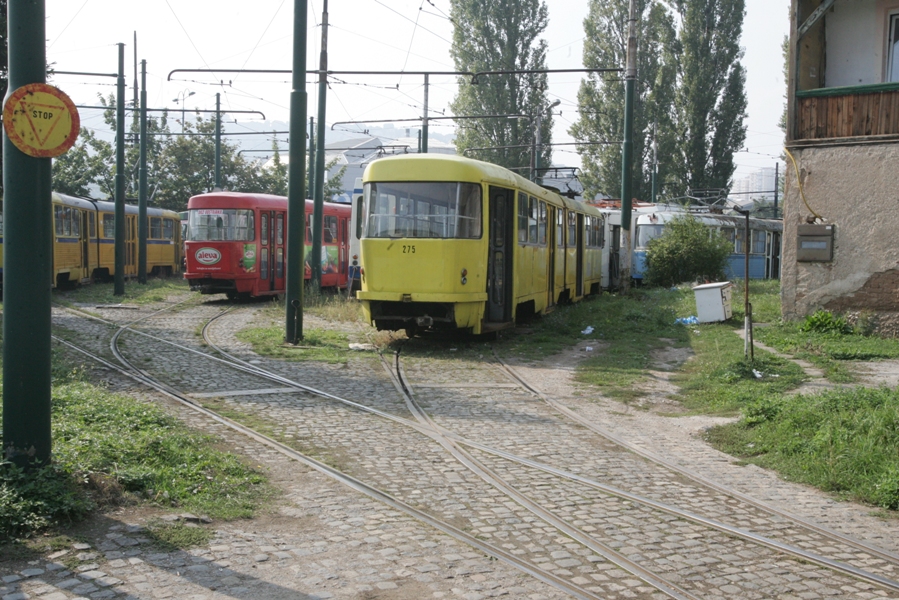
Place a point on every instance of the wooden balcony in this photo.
(862, 111)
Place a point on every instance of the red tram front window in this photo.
(330, 230)
(222, 224)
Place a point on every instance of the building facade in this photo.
(841, 251)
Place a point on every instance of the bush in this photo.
(825, 322)
(686, 251)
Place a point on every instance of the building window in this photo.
(893, 49)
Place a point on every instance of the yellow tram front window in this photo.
(168, 229)
(423, 210)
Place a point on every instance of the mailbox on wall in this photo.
(815, 243)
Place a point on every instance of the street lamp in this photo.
(538, 143)
(182, 96)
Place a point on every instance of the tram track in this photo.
(453, 443)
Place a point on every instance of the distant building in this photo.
(840, 199)
(759, 185)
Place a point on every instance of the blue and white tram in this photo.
(764, 241)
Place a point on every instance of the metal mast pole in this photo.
(27, 259)
(424, 121)
(311, 177)
(296, 182)
(315, 257)
(142, 183)
(218, 141)
(119, 279)
(627, 148)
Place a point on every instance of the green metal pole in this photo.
(311, 178)
(538, 146)
(296, 182)
(424, 121)
(119, 278)
(315, 257)
(218, 141)
(142, 184)
(627, 148)
(27, 260)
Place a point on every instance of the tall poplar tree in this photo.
(601, 96)
(711, 96)
(501, 35)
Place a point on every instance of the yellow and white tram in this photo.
(454, 243)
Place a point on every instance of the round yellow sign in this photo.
(41, 120)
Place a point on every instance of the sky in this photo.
(367, 35)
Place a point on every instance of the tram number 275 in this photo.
(408, 249)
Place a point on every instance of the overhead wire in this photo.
(78, 12)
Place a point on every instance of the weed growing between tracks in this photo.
(109, 449)
(155, 290)
(317, 344)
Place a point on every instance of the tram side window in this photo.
(279, 229)
(560, 228)
(541, 224)
(532, 221)
(757, 245)
(572, 229)
(58, 219)
(168, 229)
(728, 234)
(308, 229)
(741, 240)
(108, 226)
(76, 222)
(522, 218)
(330, 230)
(263, 230)
(92, 227)
(155, 228)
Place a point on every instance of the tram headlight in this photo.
(464, 276)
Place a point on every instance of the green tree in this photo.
(711, 98)
(601, 96)
(686, 252)
(84, 165)
(501, 35)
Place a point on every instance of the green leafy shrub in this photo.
(686, 252)
(824, 321)
(36, 499)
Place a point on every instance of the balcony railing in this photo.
(844, 112)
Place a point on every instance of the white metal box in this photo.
(713, 301)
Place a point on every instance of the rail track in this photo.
(580, 511)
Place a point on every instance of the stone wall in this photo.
(854, 188)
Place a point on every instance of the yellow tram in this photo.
(84, 240)
(454, 243)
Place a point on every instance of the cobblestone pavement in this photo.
(327, 541)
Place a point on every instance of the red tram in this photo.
(236, 244)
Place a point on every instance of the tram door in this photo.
(278, 252)
(131, 245)
(579, 260)
(342, 252)
(615, 258)
(551, 256)
(85, 246)
(499, 261)
(263, 284)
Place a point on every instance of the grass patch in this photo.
(626, 329)
(110, 449)
(317, 344)
(178, 536)
(828, 350)
(720, 379)
(155, 290)
(840, 441)
(332, 306)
